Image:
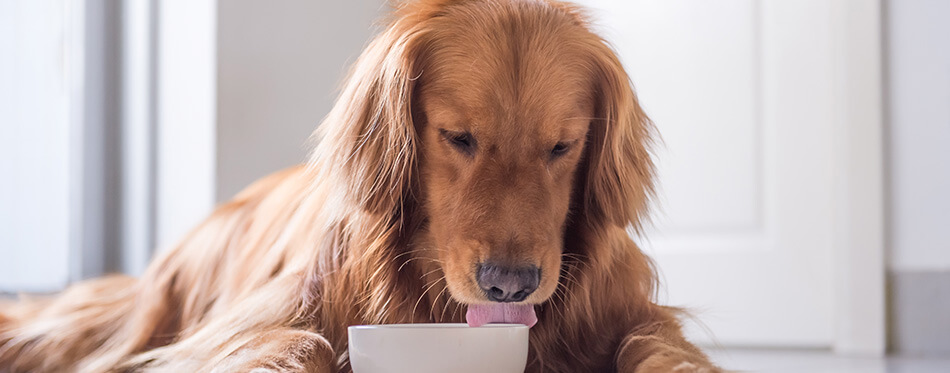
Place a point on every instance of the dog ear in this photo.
(619, 171)
(368, 140)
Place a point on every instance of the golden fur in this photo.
(387, 220)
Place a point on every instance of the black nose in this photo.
(508, 284)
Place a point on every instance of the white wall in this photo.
(34, 139)
(280, 64)
(241, 86)
(185, 117)
(918, 58)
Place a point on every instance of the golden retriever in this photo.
(483, 163)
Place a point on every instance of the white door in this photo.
(744, 95)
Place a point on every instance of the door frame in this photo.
(168, 124)
(860, 308)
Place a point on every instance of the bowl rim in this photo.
(435, 326)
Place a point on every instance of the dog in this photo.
(482, 164)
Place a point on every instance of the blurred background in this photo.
(804, 162)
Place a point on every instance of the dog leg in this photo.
(648, 354)
(662, 348)
(280, 350)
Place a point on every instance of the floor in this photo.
(823, 362)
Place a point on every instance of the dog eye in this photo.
(560, 149)
(463, 141)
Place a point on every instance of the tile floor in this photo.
(800, 361)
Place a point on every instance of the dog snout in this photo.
(508, 284)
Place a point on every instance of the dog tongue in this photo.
(507, 313)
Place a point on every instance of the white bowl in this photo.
(438, 348)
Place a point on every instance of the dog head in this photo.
(507, 125)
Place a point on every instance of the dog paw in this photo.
(687, 367)
(672, 364)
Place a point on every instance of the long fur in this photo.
(272, 278)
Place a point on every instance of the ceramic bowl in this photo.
(438, 348)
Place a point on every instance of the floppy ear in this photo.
(368, 139)
(619, 171)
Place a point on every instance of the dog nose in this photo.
(508, 284)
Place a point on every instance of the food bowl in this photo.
(438, 348)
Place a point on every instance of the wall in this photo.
(242, 84)
(918, 59)
(185, 129)
(280, 64)
(34, 145)
(216, 94)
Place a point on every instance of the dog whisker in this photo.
(588, 118)
(427, 288)
(430, 272)
(436, 301)
(448, 301)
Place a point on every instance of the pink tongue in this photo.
(507, 313)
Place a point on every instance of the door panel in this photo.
(740, 92)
